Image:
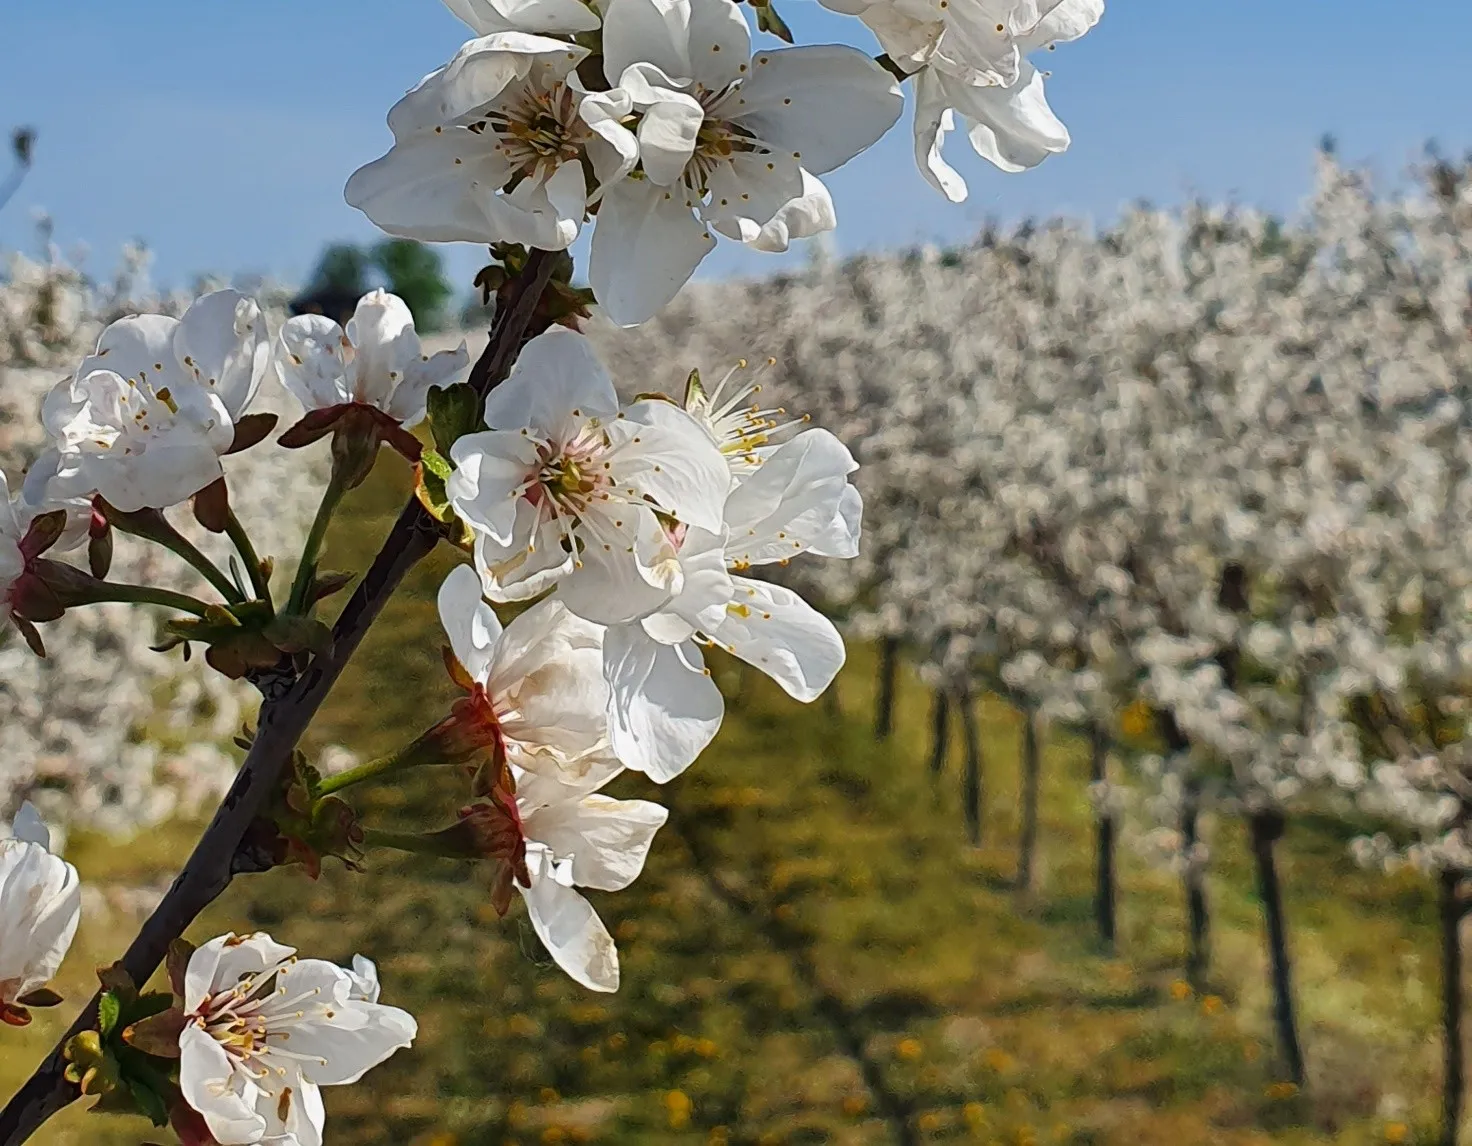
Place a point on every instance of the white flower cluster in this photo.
(658, 125)
(89, 733)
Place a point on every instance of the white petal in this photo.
(29, 827)
(749, 191)
(541, 213)
(1067, 21)
(225, 1097)
(811, 213)
(653, 32)
(720, 43)
(419, 191)
(776, 631)
(790, 501)
(667, 456)
(556, 373)
(607, 840)
(485, 73)
(646, 245)
(841, 538)
(825, 103)
(385, 346)
(665, 707)
(522, 572)
(365, 979)
(443, 368)
(471, 624)
(543, 17)
(934, 120)
(571, 931)
(132, 346)
(223, 342)
(346, 1038)
(1013, 128)
(669, 124)
(311, 361)
(170, 472)
(625, 570)
(222, 962)
(491, 467)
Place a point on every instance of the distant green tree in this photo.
(342, 269)
(414, 273)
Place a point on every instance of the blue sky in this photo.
(222, 133)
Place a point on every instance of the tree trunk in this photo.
(1454, 1080)
(973, 794)
(1103, 840)
(940, 729)
(889, 667)
(1032, 766)
(1266, 829)
(1198, 921)
(1198, 952)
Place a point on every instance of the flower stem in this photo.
(157, 529)
(148, 595)
(410, 842)
(406, 757)
(259, 585)
(306, 570)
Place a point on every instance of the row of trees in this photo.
(1205, 477)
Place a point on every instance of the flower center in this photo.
(718, 140)
(540, 131)
(253, 1019)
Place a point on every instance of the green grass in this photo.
(814, 955)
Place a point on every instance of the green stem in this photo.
(175, 542)
(306, 570)
(148, 595)
(409, 842)
(406, 757)
(259, 585)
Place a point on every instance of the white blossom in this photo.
(728, 142)
(377, 361)
(537, 684)
(492, 148)
(265, 1031)
(40, 907)
(145, 420)
(568, 488)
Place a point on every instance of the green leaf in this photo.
(437, 464)
(109, 1010)
(767, 20)
(151, 1104)
(454, 411)
(434, 471)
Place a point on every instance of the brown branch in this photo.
(284, 720)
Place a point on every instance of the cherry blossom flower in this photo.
(551, 838)
(1005, 113)
(40, 906)
(726, 142)
(535, 689)
(797, 500)
(502, 144)
(567, 488)
(264, 1031)
(146, 419)
(374, 372)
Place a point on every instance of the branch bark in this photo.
(218, 857)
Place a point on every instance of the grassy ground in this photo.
(814, 955)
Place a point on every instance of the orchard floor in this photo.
(814, 955)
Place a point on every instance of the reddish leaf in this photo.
(212, 506)
(250, 430)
